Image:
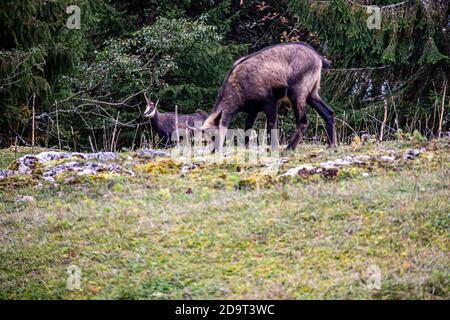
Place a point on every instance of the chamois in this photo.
(165, 124)
(258, 81)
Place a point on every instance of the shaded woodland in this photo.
(82, 89)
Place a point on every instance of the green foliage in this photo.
(171, 51)
(215, 13)
(180, 62)
(402, 62)
(181, 50)
(404, 32)
(35, 50)
(431, 53)
(200, 61)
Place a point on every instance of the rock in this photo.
(387, 158)
(102, 156)
(330, 173)
(76, 162)
(411, 153)
(151, 154)
(27, 163)
(83, 168)
(186, 168)
(338, 162)
(70, 180)
(329, 168)
(21, 198)
(54, 155)
(367, 137)
(274, 166)
(296, 170)
(49, 179)
(5, 173)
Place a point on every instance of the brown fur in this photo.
(165, 123)
(256, 82)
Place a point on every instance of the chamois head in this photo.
(151, 108)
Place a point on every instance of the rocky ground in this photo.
(360, 221)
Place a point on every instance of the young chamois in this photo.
(165, 124)
(256, 82)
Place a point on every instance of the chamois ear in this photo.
(157, 103)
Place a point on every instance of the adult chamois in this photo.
(165, 124)
(256, 82)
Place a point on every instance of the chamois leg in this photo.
(249, 122)
(271, 109)
(327, 114)
(301, 122)
(223, 128)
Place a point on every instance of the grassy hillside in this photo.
(212, 230)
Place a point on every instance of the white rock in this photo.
(387, 158)
(49, 179)
(5, 172)
(21, 198)
(295, 171)
(411, 153)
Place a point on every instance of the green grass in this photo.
(229, 231)
(8, 155)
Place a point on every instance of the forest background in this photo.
(83, 88)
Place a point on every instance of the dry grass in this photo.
(232, 231)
